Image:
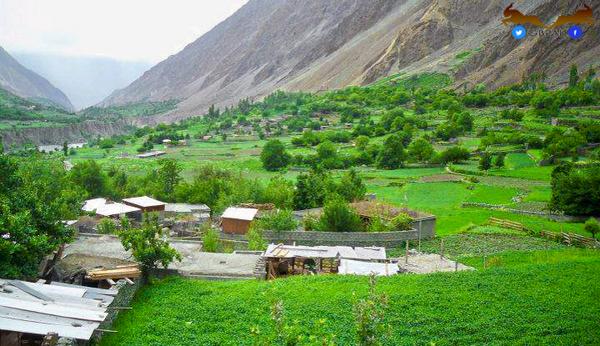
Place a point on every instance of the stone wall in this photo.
(385, 239)
(122, 299)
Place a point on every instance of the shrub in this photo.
(310, 222)
(485, 162)
(148, 246)
(402, 222)
(210, 239)
(274, 157)
(592, 226)
(106, 226)
(453, 155)
(337, 216)
(256, 242)
(369, 315)
(280, 220)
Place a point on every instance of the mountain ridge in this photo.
(25, 83)
(316, 45)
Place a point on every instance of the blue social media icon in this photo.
(519, 32)
(575, 32)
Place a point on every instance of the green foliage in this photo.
(89, 176)
(448, 305)
(369, 314)
(499, 161)
(107, 226)
(256, 242)
(274, 157)
(361, 142)
(351, 187)
(420, 150)
(576, 191)
(278, 220)
(402, 222)
(168, 179)
(35, 196)
(592, 226)
(311, 190)
(280, 192)
(392, 154)
(210, 239)
(485, 161)
(148, 245)
(573, 76)
(337, 216)
(453, 155)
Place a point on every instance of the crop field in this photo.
(509, 302)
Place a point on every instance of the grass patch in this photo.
(511, 303)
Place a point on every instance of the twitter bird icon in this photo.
(519, 32)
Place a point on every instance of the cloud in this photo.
(141, 30)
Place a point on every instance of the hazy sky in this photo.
(142, 30)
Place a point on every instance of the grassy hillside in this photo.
(16, 112)
(523, 298)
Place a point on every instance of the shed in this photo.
(145, 203)
(355, 267)
(30, 311)
(282, 260)
(117, 210)
(237, 220)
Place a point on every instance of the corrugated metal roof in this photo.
(290, 251)
(144, 201)
(93, 204)
(70, 311)
(247, 214)
(112, 209)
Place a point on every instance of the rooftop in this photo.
(290, 251)
(247, 214)
(144, 202)
(112, 209)
(93, 204)
(187, 208)
(70, 311)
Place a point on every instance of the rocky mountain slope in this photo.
(324, 44)
(25, 83)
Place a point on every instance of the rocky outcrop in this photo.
(25, 83)
(314, 45)
(79, 132)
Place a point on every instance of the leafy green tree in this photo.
(278, 220)
(453, 155)
(337, 216)
(148, 246)
(327, 154)
(573, 76)
(89, 176)
(575, 191)
(592, 226)
(420, 150)
(210, 238)
(168, 178)
(485, 161)
(351, 186)
(274, 157)
(499, 161)
(65, 148)
(35, 196)
(392, 154)
(256, 242)
(361, 142)
(311, 190)
(107, 226)
(280, 192)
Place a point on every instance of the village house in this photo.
(105, 208)
(145, 204)
(237, 220)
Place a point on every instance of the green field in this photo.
(521, 298)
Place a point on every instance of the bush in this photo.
(274, 157)
(210, 239)
(256, 242)
(402, 222)
(592, 226)
(453, 155)
(280, 220)
(337, 216)
(107, 226)
(310, 222)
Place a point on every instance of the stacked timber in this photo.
(119, 272)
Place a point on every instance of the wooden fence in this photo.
(570, 239)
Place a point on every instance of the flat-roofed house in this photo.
(117, 210)
(145, 203)
(237, 220)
